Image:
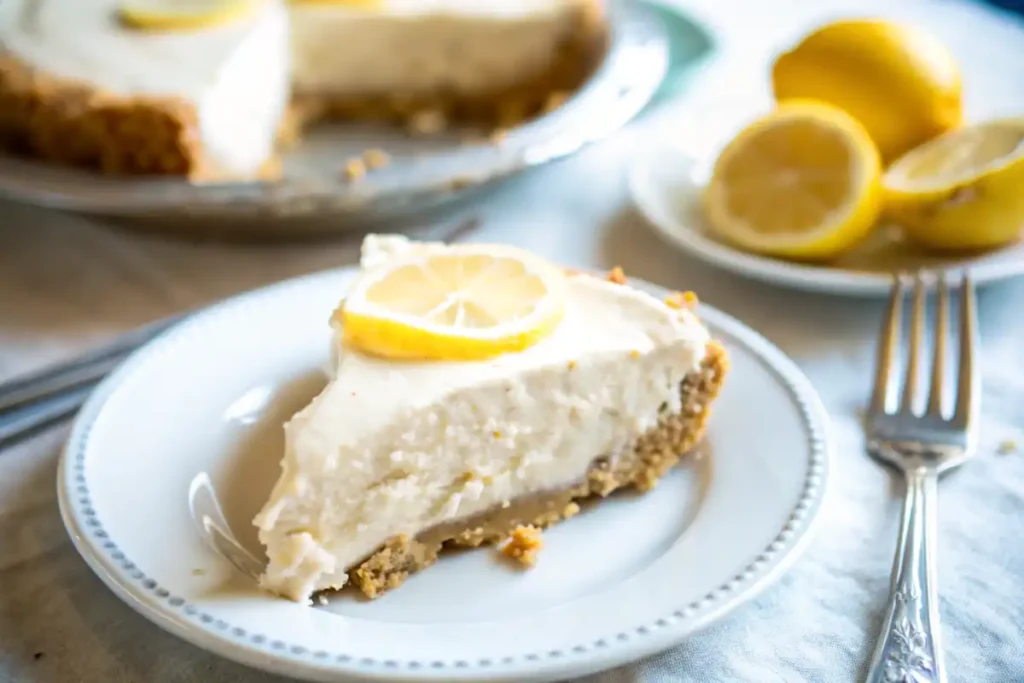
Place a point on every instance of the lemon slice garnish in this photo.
(354, 4)
(461, 303)
(801, 183)
(964, 190)
(181, 15)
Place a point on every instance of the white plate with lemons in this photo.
(803, 194)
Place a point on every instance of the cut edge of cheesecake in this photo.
(653, 454)
(535, 94)
(76, 123)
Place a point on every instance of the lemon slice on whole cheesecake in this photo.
(801, 183)
(963, 190)
(181, 15)
(466, 302)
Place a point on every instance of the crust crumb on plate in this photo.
(682, 300)
(523, 545)
(376, 158)
(617, 276)
(355, 170)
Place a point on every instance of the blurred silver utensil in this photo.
(921, 442)
(37, 400)
(214, 528)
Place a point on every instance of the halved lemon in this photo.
(964, 190)
(468, 302)
(800, 183)
(181, 15)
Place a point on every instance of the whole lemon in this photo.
(900, 82)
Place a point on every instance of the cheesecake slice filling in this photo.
(395, 458)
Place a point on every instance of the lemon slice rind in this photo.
(381, 330)
(899, 176)
(181, 15)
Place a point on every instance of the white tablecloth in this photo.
(67, 283)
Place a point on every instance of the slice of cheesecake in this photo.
(81, 85)
(399, 455)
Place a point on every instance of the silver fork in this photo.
(922, 445)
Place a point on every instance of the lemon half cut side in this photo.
(182, 15)
(801, 183)
(963, 191)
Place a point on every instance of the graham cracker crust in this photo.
(653, 455)
(77, 124)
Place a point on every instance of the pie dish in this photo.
(215, 102)
(398, 458)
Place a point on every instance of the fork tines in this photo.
(906, 394)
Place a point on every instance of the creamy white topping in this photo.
(425, 46)
(235, 74)
(397, 447)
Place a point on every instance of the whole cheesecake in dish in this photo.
(477, 390)
(207, 88)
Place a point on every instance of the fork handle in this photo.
(909, 648)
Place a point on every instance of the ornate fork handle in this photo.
(909, 647)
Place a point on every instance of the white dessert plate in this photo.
(200, 410)
(667, 176)
(423, 173)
